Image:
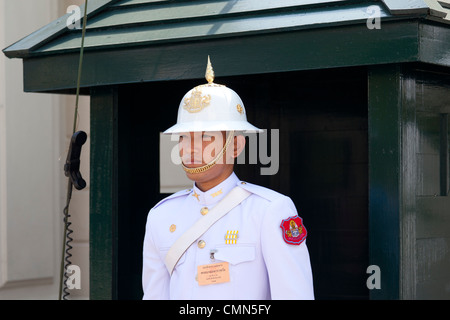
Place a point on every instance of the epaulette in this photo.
(263, 192)
(174, 195)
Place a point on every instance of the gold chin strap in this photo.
(213, 162)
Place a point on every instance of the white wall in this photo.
(34, 134)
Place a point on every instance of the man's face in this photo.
(200, 148)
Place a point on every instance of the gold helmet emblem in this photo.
(196, 102)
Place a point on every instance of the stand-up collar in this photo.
(215, 194)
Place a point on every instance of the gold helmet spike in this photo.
(209, 75)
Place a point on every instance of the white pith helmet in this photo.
(211, 107)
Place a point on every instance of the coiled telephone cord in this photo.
(67, 239)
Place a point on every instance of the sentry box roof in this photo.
(130, 41)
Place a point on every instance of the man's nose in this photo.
(196, 142)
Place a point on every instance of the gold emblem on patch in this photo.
(196, 102)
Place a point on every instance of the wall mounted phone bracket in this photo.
(72, 166)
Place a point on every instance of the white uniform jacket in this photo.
(263, 262)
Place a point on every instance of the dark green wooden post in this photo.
(408, 183)
(103, 194)
(384, 177)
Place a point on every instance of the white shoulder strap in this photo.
(231, 200)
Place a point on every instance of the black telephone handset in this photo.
(72, 166)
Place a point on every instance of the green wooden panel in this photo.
(432, 217)
(432, 86)
(152, 21)
(139, 2)
(206, 29)
(145, 2)
(384, 177)
(428, 154)
(103, 195)
(180, 10)
(435, 44)
(433, 265)
(299, 50)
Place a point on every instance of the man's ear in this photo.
(239, 145)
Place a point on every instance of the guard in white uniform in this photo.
(227, 240)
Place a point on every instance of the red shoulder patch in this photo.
(294, 232)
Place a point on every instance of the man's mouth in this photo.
(192, 162)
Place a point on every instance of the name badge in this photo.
(213, 273)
